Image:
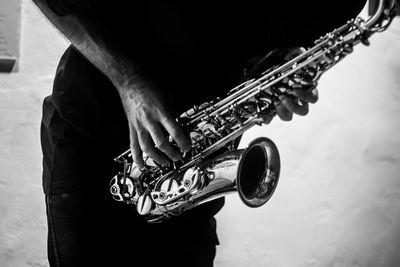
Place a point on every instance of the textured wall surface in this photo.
(338, 201)
(22, 210)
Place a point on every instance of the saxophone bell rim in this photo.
(258, 172)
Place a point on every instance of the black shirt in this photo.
(202, 46)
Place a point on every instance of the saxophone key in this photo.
(169, 185)
(144, 204)
(347, 49)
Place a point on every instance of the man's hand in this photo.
(149, 121)
(293, 101)
(150, 124)
(296, 102)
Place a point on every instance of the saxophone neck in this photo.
(381, 13)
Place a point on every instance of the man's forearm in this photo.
(81, 31)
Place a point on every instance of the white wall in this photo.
(22, 211)
(337, 203)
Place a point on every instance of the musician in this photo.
(132, 67)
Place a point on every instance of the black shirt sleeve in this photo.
(65, 7)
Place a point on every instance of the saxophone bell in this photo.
(258, 172)
(253, 172)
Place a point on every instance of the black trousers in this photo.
(84, 230)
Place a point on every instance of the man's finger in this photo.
(176, 133)
(310, 96)
(161, 142)
(135, 148)
(283, 113)
(149, 148)
(298, 107)
(294, 52)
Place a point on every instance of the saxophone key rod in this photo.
(249, 85)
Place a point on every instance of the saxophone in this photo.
(214, 167)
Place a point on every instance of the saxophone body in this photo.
(214, 167)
